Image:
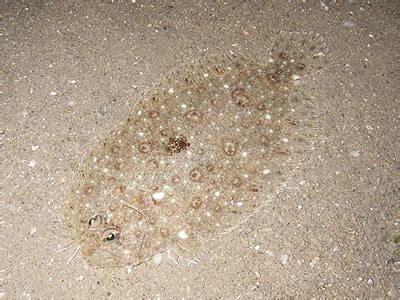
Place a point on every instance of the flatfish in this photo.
(202, 151)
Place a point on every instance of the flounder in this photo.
(199, 153)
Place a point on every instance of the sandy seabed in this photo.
(71, 71)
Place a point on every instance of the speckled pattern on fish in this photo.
(201, 152)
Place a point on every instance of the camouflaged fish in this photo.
(201, 152)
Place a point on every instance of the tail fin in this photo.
(301, 53)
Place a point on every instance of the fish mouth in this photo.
(111, 255)
(104, 258)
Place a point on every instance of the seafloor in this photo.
(70, 71)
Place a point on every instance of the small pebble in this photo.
(295, 77)
(348, 24)
(157, 259)
(32, 163)
(158, 196)
(355, 153)
(266, 171)
(32, 231)
(396, 266)
(284, 259)
(314, 261)
(269, 253)
(34, 147)
(183, 235)
(245, 32)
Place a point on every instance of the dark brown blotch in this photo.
(154, 114)
(164, 232)
(239, 97)
(217, 208)
(176, 145)
(175, 179)
(195, 174)
(153, 163)
(118, 165)
(145, 147)
(88, 190)
(236, 181)
(196, 203)
(193, 115)
(230, 148)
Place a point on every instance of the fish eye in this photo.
(109, 234)
(95, 222)
(110, 237)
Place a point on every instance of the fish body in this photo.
(199, 153)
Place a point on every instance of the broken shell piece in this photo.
(183, 235)
(109, 234)
(157, 197)
(319, 54)
(157, 259)
(295, 77)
